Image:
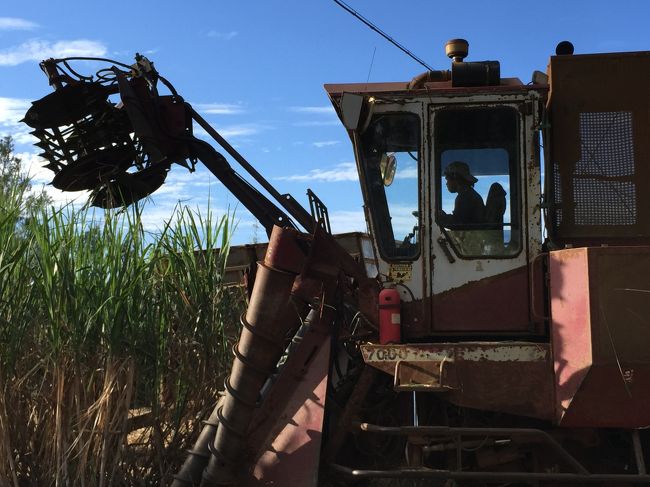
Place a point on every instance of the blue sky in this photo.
(255, 71)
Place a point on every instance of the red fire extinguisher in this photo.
(389, 316)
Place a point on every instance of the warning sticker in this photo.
(400, 272)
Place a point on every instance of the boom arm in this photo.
(287, 201)
(259, 205)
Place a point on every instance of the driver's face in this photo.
(452, 184)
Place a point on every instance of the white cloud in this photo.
(322, 109)
(348, 221)
(230, 131)
(326, 143)
(13, 23)
(317, 123)
(224, 36)
(12, 110)
(23, 137)
(409, 172)
(326, 120)
(218, 108)
(183, 185)
(161, 207)
(61, 198)
(238, 131)
(402, 219)
(346, 171)
(33, 165)
(37, 50)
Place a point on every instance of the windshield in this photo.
(476, 152)
(390, 151)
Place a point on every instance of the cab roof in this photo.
(401, 88)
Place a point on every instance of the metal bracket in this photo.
(442, 241)
(319, 211)
(410, 376)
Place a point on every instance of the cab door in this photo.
(481, 278)
(391, 152)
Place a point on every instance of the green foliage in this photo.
(14, 182)
(102, 324)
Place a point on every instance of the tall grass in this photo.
(113, 343)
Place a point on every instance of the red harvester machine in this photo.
(490, 330)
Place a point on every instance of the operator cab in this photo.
(450, 174)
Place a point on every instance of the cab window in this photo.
(476, 160)
(390, 155)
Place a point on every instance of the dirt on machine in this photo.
(491, 328)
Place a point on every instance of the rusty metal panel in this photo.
(493, 304)
(242, 257)
(292, 457)
(509, 377)
(600, 142)
(600, 333)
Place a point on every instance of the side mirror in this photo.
(351, 105)
(388, 166)
(356, 111)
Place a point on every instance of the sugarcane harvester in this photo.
(493, 327)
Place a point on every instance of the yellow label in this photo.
(400, 272)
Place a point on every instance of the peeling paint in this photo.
(513, 352)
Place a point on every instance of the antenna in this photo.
(350, 10)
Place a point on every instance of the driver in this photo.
(468, 206)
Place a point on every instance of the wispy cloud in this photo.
(218, 108)
(224, 36)
(61, 198)
(232, 131)
(322, 109)
(348, 221)
(325, 116)
(346, 171)
(14, 23)
(316, 123)
(163, 206)
(239, 130)
(402, 219)
(408, 172)
(182, 185)
(326, 143)
(33, 165)
(37, 50)
(12, 110)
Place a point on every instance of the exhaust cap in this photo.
(457, 49)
